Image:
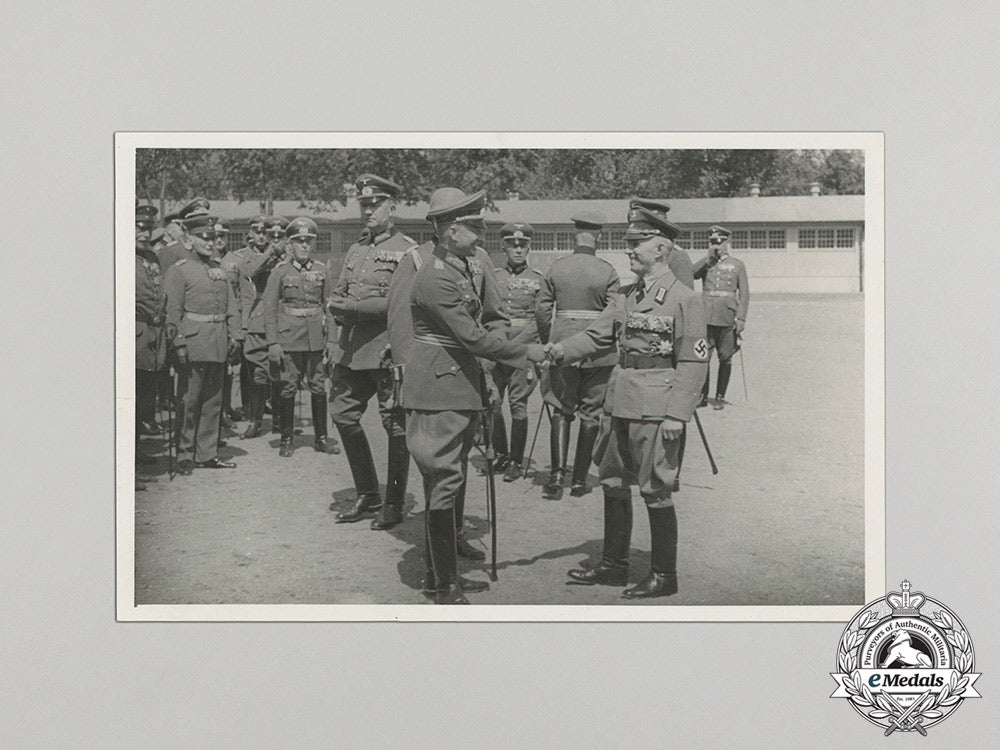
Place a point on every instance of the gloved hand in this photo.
(275, 354)
(555, 353)
(740, 325)
(537, 353)
(492, 392)
(671, 429)
(181, 354)
(171, 331)
(233, 354)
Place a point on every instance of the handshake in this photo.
(545, 353)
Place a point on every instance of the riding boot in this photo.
(662, 578)
(518, 439)
(558, 451)
(258, 394)
(613, 568)
(465, 549)
(584, 456)
(286, 423)
(275, 407)
(680, 457)
(704, 387)
(391, 512)
(318, 403)
(722, 383)
(441, 524)
(359, 458)
(500, 450)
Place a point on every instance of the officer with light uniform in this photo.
(401, 344)
(201, 316)
(444, 385)
(359, 304)
(295, 324)
(253, 281)
(150, 342)
(574, 291)
(726, 294)
(659, 326)
(519, 285)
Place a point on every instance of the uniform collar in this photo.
(515, 270)
(664, 278)
(302, 266)
(723, 257)
(584, 250)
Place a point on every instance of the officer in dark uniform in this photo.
(443, 389)
(359, 303)
(253, 280)
(221, 239)
(659, 326)
(150, 342)
(576, 288)
(177, 226)
(519, 284)
(726, 294)
(295, 324)
(401, 344)
(201, 314)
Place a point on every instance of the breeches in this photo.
(255, 352)
(308, 364)
(350, 392)
(439, 442)
(630, 451)
(723, 340)
(578, 389)
(517, 385)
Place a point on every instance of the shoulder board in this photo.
(498, 270)
(535, 270)
(280, 263)
(414, 254)
(181, 262)
(407, 239)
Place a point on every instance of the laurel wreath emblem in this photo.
(862, 697)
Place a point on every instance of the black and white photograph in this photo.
(553, 376)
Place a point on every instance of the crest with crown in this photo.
(905, 604)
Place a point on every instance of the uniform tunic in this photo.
(574, 291)
(150, 312)
(659, 326)
(726, 296)
(443, 388)
(519, 289)
(295, 318)
(170, 254)
(253, 281)
(232, 263)
(201, 305)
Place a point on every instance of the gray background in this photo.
(73, 677)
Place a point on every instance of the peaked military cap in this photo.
(221, 227)
(718, 231)
(643, 224)
(449, 204)
(373, 186)
(156, 236)
(145, 214)
(197, 207)
(258, 222)
(593, 220)
(303, 226)
(276, 223)
(517, 230)
(175, 216)
(201, 226)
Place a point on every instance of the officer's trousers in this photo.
(632, 451)
(579, 389)
(723, 340)
(439, 442)
(308, 363)
(350, 392)
(517, 385)
(199, 410)
(255, 352)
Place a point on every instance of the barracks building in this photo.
(809, 243)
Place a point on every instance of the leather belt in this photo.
(204, 318)
(578, 314)
(644, 362)
(720, 293)
(438, 340)
(519, 322)
(302, 312)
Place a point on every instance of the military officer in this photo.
(253, 281)
(519, 285)
(177, 228)
(726, 294)
(359, 304)
(201, 310)
(576, 288)
(295, 327)
(401, 344)
(443, 390)
(221, 239)
(150, 343)
(659, 325)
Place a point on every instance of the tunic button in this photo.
(454, 368)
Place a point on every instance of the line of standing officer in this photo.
(150, 316)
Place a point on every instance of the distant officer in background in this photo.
(359, 304)
(444, 387)
(201, 310)
(659, 326)
(276, 226)
(253, 281)
(576, 288)
(726, 294)
(177, 227)
(221, 239)
(519, 285)
(295, 323)
(150, 316)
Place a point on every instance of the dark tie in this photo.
(640, 289)
(470, 275)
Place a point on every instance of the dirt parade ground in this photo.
(781, 524)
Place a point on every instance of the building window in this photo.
(845, 237)
(234, 241)
(699, 240)
(564, 241)
(613, 239)
(776, 239)
(807, 238)
(758, 239)
(544, 241)
(324, 243)
(825, 238)
(740, 239)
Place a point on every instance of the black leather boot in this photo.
(285, 414)
(320, 445)
(275, 408)
(613, 568)
(258, 394)
(397, 472)
(558, 451)
(662, 577)
(499, 437)
(441, 524)
(584, 456)
(518, 439)
(704, 387)
(465, 549)
(359, 457)
(722, 384)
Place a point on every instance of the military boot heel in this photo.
(612, 570)
(662, 577)
(286, 422)
(441, 524)
(391, 512)
(359, 457)
(558, 442)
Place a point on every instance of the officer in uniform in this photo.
(576, 288)
(201, 316)
(221, 239)
(444, 387)
(150, 343)
(177, 227)
(232, 264)
(359, 304)
(726, 294)
(295, 326)
(253, 281)
(401, 344)
(659, 325)
(519, 285)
